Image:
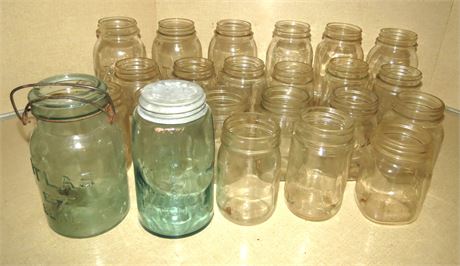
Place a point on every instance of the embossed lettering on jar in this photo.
(293, 74)
(197, 69)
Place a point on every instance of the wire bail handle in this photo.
(109, 109)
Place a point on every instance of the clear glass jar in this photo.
(393, 79)
(117, 38)
(293, 74)
(77, 155)
(197, 69)
(361, 105)
(176, 38)
(248, 168)
(343, 71)
(290, 42)
(339, 40)
(246, 73)
(284, 105)
(173, 157)
(319, 160)
(393, 46)
(231, 37)
(394, 191)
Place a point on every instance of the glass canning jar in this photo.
(117, 38)
(343, 71)
(319, 160)
(393, 46)
(361, 105)
(394, 191)
(248, 168)
(393, 79)
(231, 37)
(284, 105)
(293, 74)
(290, 42)
(197, 69)
(77, 154)
(176, 38)
(173, 157)
(246, 73)
(339, 40)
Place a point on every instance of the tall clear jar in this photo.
(393, 79)
(231, 37)
(173, 157)
(117, 38)
(293, 74)
(176, 38)
(339, 40)
(284, 105)
(246, 73)
(393, 46)
(248, 168)
(290, 42)
(319, 159)
(196, 69)
(395, 190)
(77, 154)
(361, 105)
(343, 71)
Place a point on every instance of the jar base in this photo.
(178, 236)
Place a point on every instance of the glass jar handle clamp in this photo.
(109, 109)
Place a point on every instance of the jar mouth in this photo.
(226, 102)
(244, 66)
(358, 102)
(292, 29)
(398, 37)
(285, 99)
(117, 25)
(346, 67)
(419, 106)
(176, 26)
(395, 74)
(293, 72)
(197, 68)
(343, 31)
(234, 28)
(136, 69)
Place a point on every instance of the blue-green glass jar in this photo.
(77, 155)
(173, 156)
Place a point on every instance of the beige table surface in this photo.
(347, 238)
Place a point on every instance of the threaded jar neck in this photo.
(113, 27)
(193, 68)
(233, 28)
(400, 76)
(224, 102)
(397, 37)
(420, 106)
(343, 32)
(136, 69)
(285, 100)
(243, 66)
(348, 68)
(176, 27)
(290, 72)
(358, 103)
(292, 29)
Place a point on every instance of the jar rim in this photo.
(244, 65)
(294, 72)
(292, 29)
(117, 26)
(234, 28)
(285, 99)
(418, 105)
(343, 31)
(397, 37)
(176, 26)
(358, 102)
(136, 69)
(347, 67)
(196, 68)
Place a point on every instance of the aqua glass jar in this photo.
(173, 157)
(197, 69)
(293, 74)
(77, 154)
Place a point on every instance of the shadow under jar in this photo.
(319, 160)
(231, 37)
(248, 168)
(290, 42)
(293, 74)
(197, 69)
(395, 190)
(176, 38)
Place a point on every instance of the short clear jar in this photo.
(319, 159)
(176, 38)
(394, 192)
(361, 105)
(290, 42)
(197, 69)
(246, 73)
(343, 71)
(393, 46)
(293, 74)
(339, 40)
(173, 157)
(231, 37)
(248, 168)
(117, 38)
(393, 79)
(284, 105)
